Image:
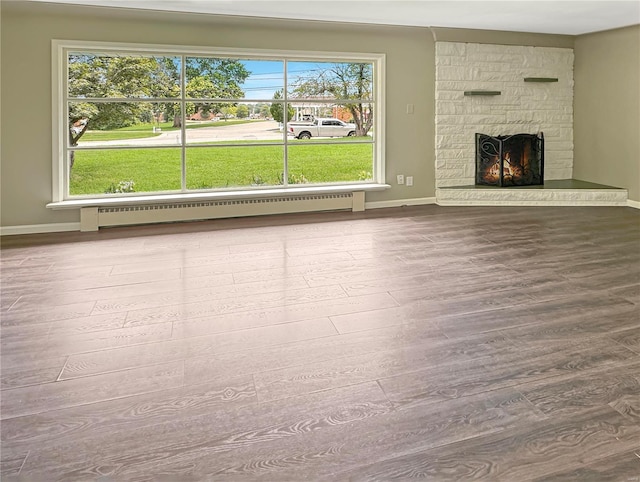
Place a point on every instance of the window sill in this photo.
(209, 196)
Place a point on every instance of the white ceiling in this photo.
(539, 16)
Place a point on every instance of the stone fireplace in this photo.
(486, 88)
(502, 91)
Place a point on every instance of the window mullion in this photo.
(285, 118)
(183, 123)
(65, 141)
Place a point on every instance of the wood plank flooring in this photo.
(443, 343)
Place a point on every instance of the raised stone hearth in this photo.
(566, 192)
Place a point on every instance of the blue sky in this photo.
(267, 76)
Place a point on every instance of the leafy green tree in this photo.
(242, 111)
(198, 87)
(120, 77)
(228, 111)
(277, 110)
(264, 110)
(98, 76)
(213, 78)
(344, 82)
(142, 77)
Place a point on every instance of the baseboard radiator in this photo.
(92, 218)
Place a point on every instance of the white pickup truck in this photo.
(320, 127)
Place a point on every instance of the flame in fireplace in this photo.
(509, 160)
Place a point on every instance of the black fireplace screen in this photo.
(516, 160)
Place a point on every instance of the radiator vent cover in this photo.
(227, 203)
(91, 218)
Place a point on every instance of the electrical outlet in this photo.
(400, 179)
(409, 180)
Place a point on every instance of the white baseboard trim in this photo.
(532, 203)
(63, 227)
(399, 203)
(39, 228)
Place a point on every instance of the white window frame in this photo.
(60, 178)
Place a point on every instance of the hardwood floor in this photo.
(493, 343)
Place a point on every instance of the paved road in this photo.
(257, 131)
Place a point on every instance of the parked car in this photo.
(320, 127)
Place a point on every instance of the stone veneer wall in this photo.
(523, 107)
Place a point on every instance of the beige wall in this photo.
(27, 31)
(607, 109)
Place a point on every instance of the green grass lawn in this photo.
(139, 131)
(151, 170)
(116, 135)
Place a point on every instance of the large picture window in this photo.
(137, 120)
